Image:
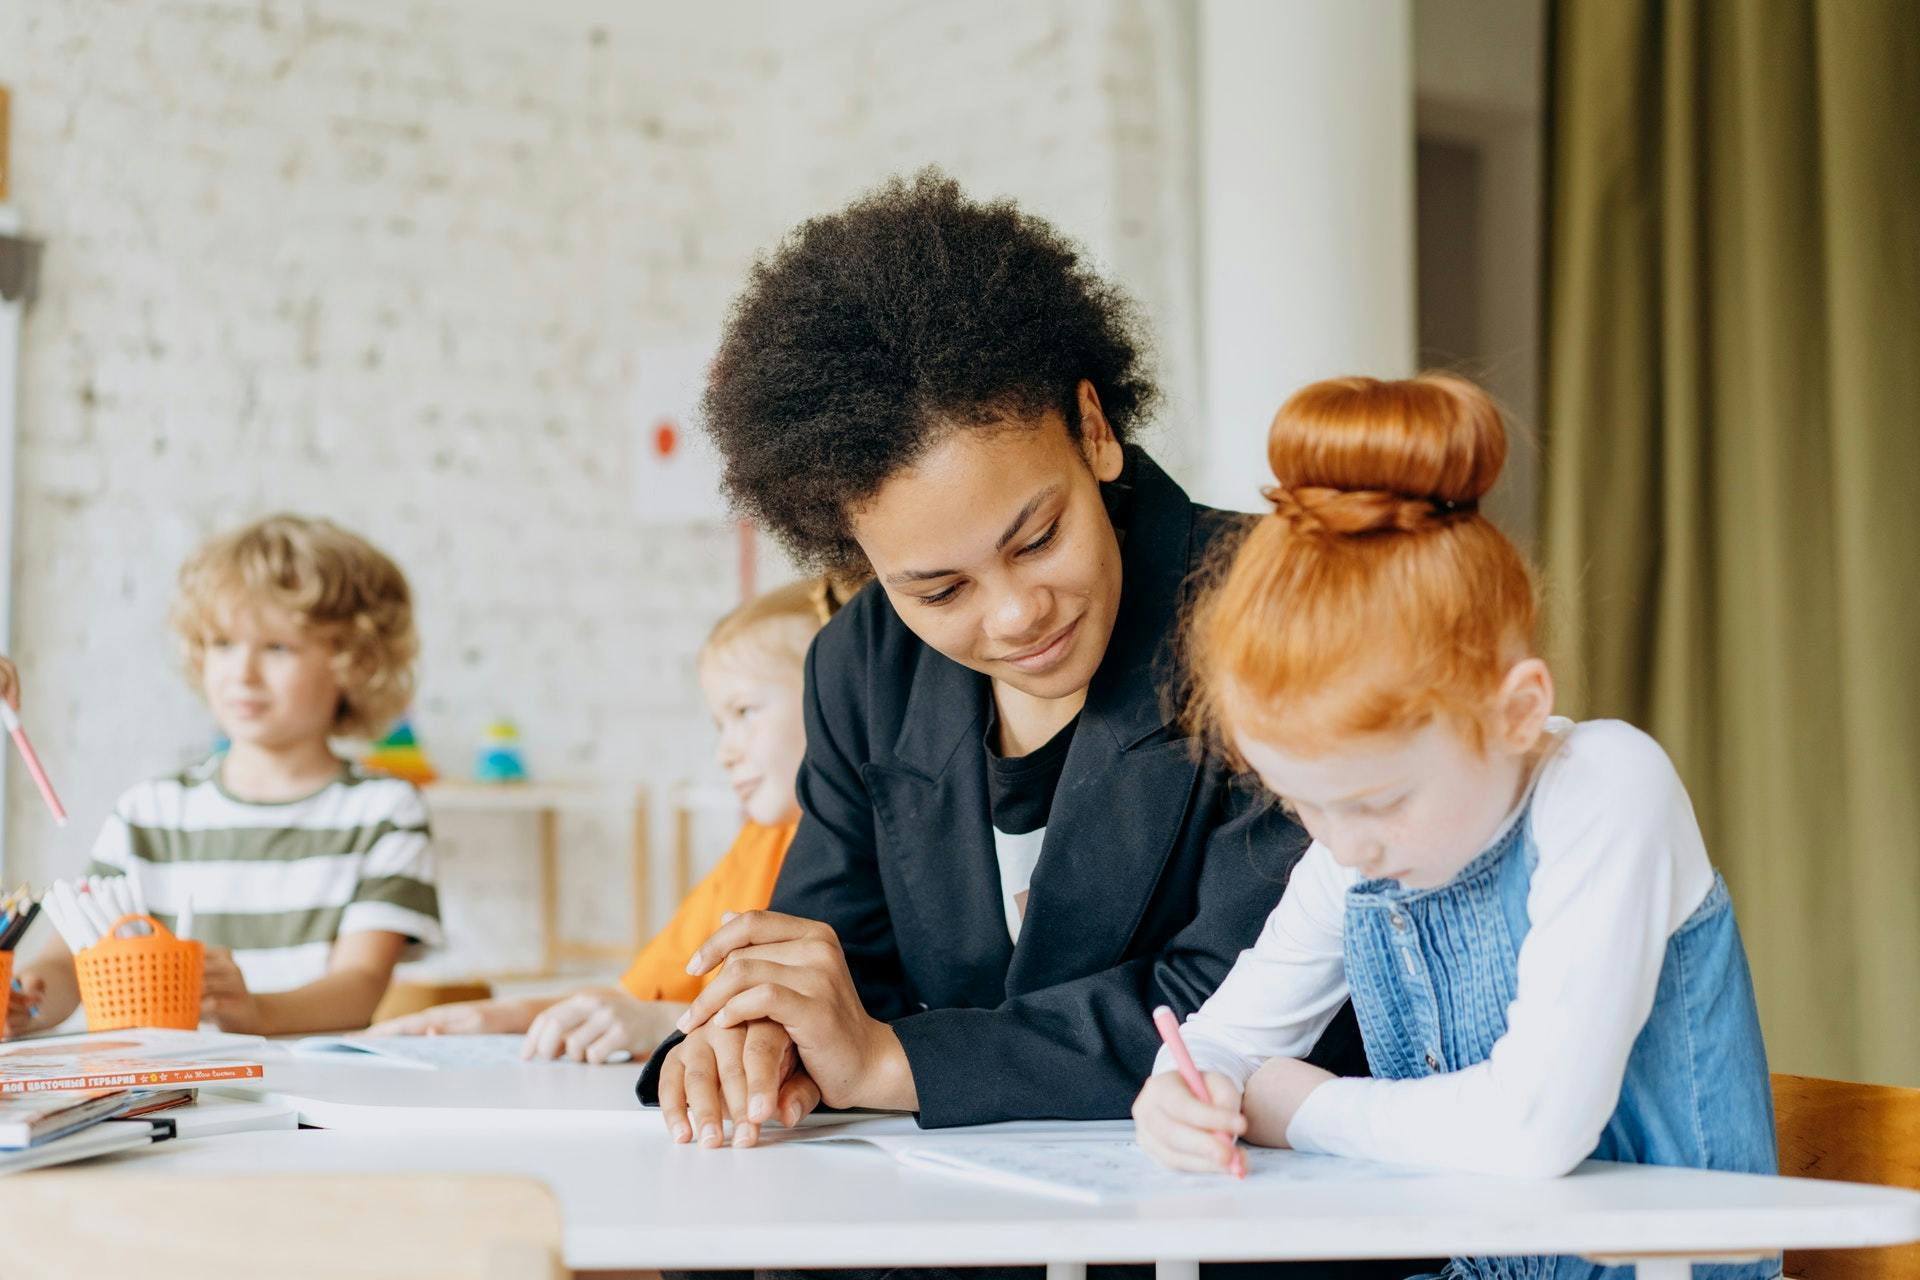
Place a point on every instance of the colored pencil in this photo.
(11, 720)
(1169, 1027)
(17, 926)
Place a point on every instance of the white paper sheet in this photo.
(426, 1053)
(1100, 1168)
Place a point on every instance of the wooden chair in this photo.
(71, 1222)
(403, 998)
(1850, 1133)
(687, 803)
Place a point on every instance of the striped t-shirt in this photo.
(278, 882)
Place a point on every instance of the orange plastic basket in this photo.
(150, 981)
(6, 971)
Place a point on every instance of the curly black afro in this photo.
(871, 331)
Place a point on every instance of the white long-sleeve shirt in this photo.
(1621, 867)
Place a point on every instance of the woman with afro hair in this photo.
(1009, 851)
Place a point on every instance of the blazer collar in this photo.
(1124, 698)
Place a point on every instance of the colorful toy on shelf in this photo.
(498, 759)
(399, 754)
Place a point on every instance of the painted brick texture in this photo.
(390, 261)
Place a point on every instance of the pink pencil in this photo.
(1170, 1032)
(19, 735)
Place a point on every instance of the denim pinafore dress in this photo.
(1432, 972)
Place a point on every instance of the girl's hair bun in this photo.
(1362, 456)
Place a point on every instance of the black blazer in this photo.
(1156, 870)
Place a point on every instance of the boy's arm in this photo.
(394, 904)
(343, 999)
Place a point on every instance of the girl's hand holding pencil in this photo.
(1182, 1131)
(1187, 1120)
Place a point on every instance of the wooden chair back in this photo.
(688, 804)
(91, 1222)
(1849, 1133)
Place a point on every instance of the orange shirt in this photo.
(742, 882)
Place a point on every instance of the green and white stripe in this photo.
(279, 882)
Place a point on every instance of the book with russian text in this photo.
(50, 1069)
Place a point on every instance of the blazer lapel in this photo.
(930, 812)
(1111, 829)
(1128, 777)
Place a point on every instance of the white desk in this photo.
(637, 1201)
(540, 1097)
(632, 1199)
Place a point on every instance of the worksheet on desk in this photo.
(425, 1052)
(1101, 1169)
(829, 1126)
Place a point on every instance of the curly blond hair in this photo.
(343, 591)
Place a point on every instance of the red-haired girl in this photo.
(1544, 963)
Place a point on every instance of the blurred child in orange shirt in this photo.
(750, 677)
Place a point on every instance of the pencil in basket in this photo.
(17, 913)
(133, 971)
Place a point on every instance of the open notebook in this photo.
(425, 1052)
(1094, 1163)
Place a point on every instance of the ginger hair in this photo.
(1375, 597)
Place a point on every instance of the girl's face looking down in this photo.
(1414, 806)
(996, 549)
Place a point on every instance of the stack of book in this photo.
(58, 1094)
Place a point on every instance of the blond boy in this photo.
(308, 876)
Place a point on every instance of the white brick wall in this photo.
(389, 261)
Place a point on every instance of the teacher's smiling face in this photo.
(996, 549)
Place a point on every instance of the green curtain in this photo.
(1731, 521)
